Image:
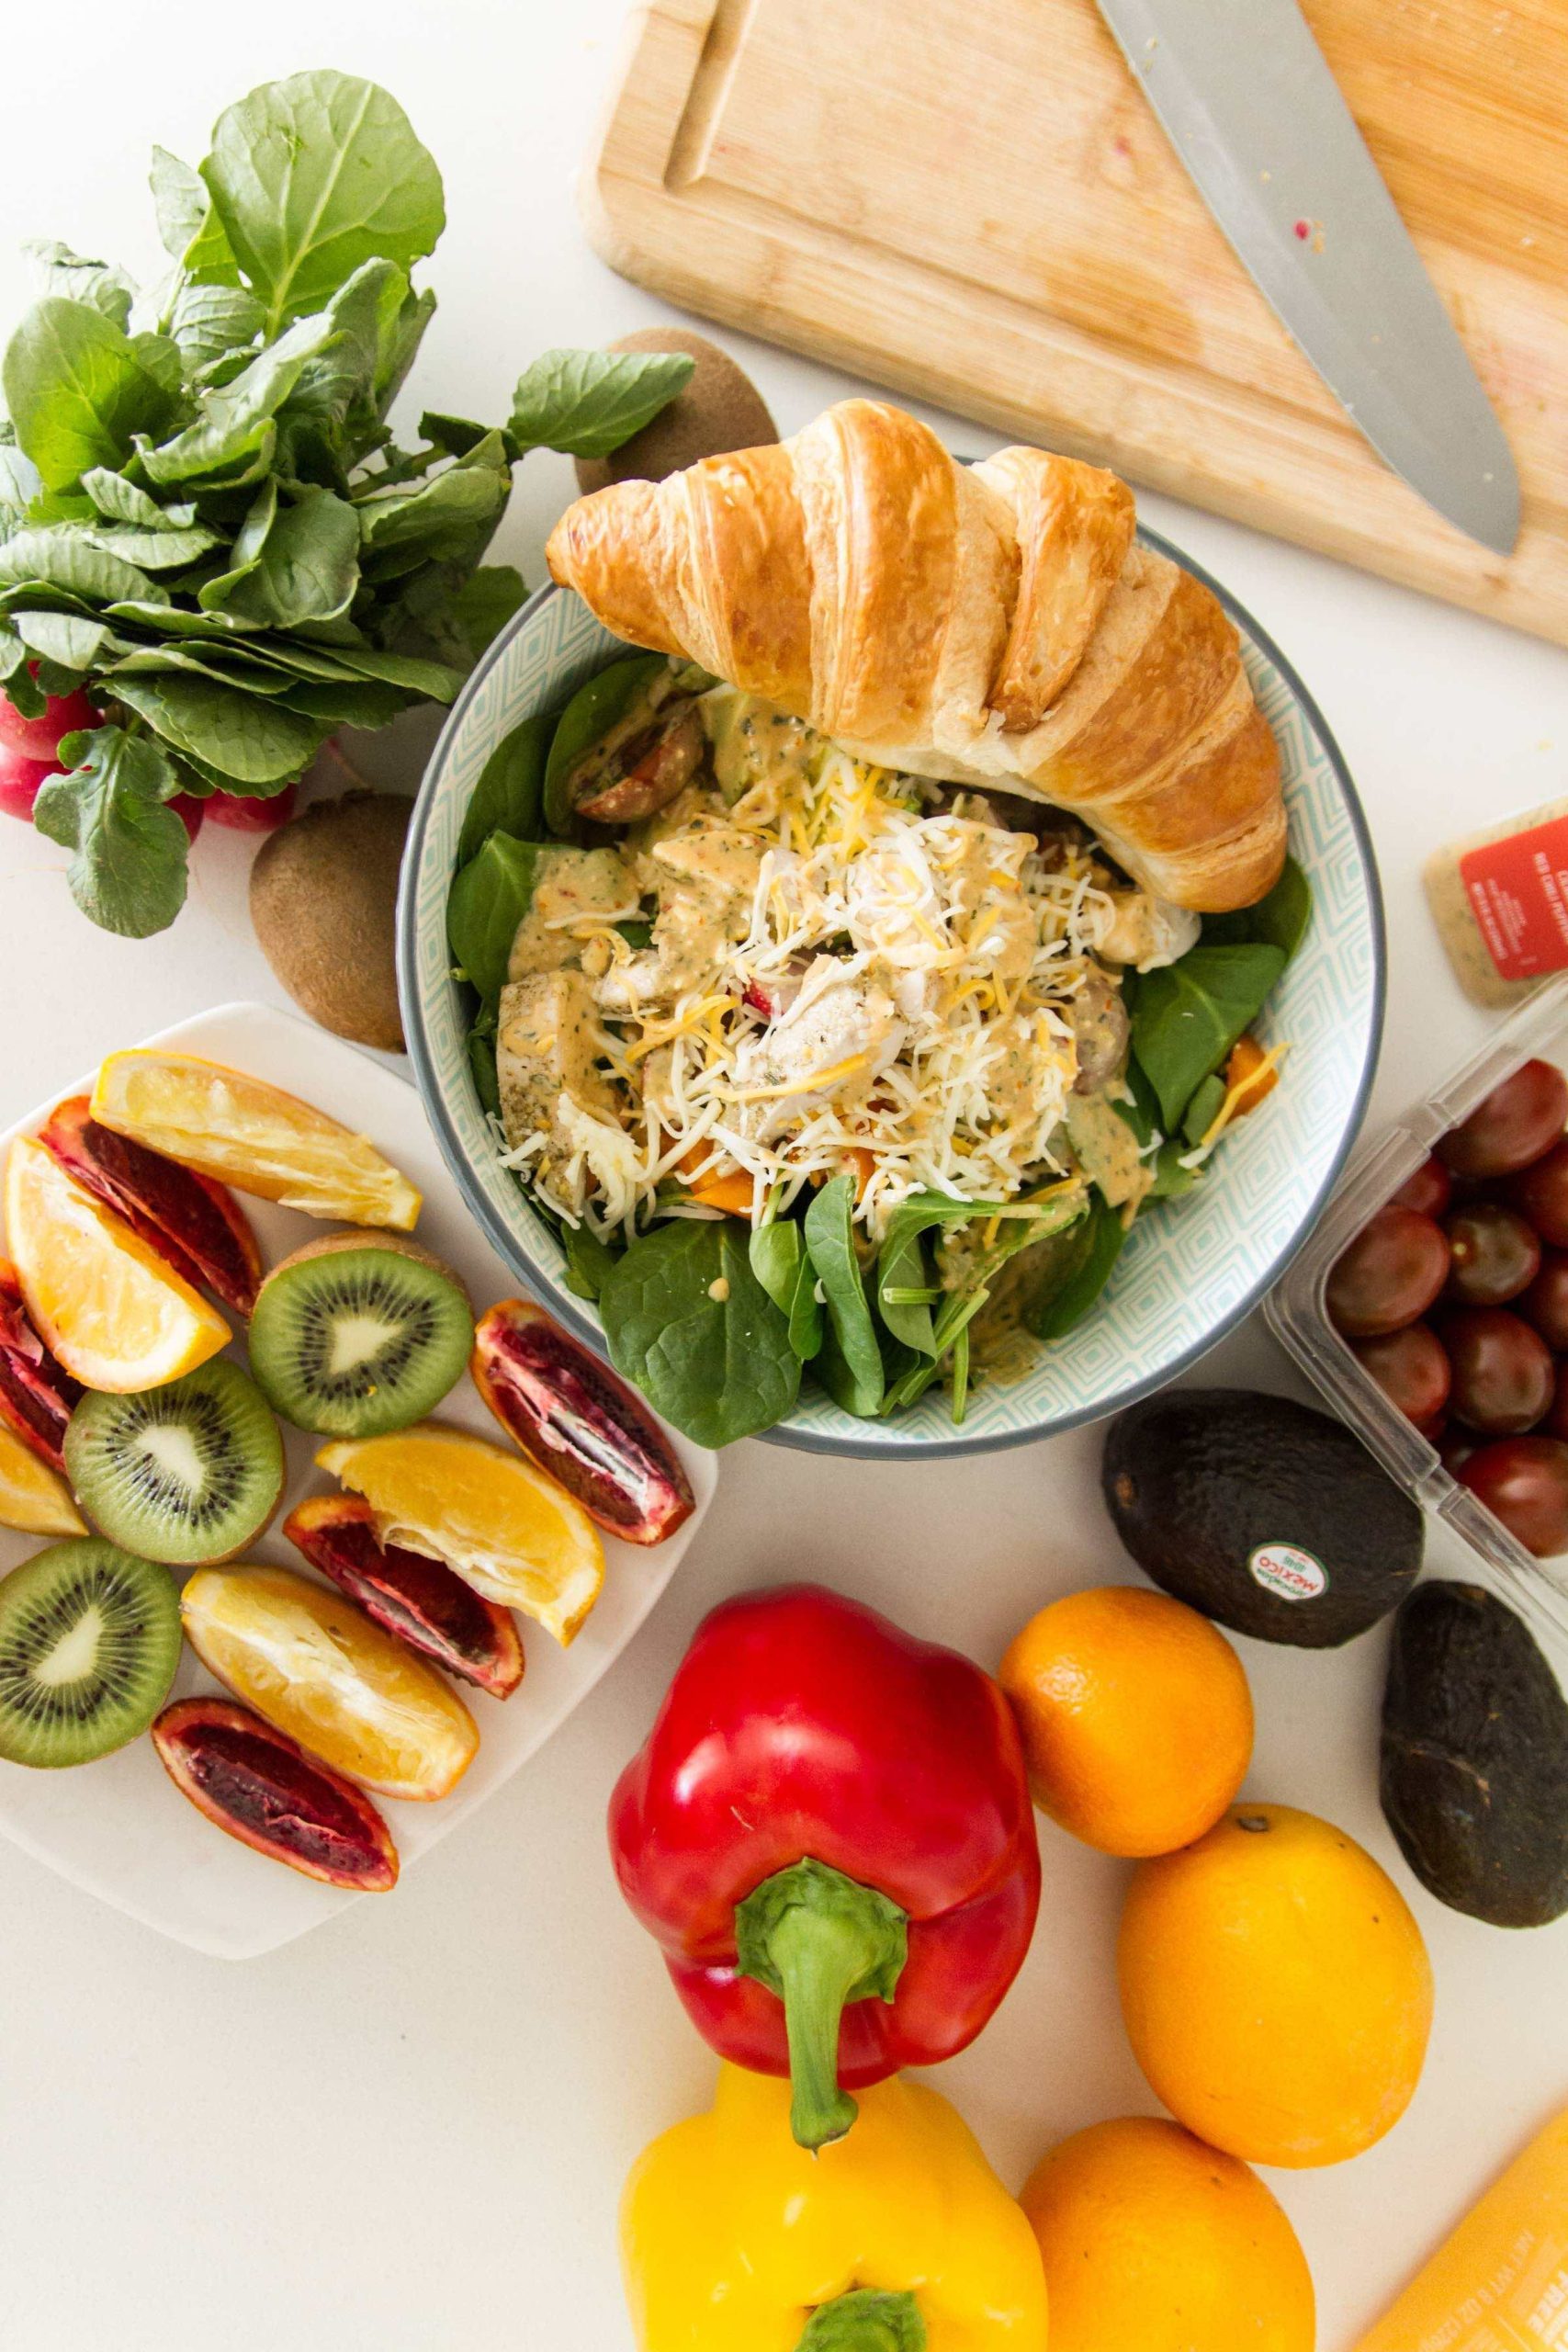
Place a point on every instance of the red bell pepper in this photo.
(829, 1833)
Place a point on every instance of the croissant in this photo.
(990, 624)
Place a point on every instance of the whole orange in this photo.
(1275, 1988)
(1151, 2238)
(1135, 1716)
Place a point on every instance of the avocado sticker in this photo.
(1285, 1569)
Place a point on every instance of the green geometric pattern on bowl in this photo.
(1191, 1267)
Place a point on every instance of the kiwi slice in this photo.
(188, 1472)
(359, 1333)
(89, 1641)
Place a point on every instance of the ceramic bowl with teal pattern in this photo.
(1192, 1268)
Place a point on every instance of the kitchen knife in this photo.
(1251, 108)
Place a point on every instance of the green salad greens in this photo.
(205, 519)
(718, 1321)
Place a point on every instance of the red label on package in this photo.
(1519, 894)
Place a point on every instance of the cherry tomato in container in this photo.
(1412, 1369)
(1454, 1449)
(1544, 1304)
(1428, 1188)
(1541, 1194)
(1516, 1124)
(1494, 1254)
(35, 738)
(1389, 1274)
(1523, 1481)
(1503, 1371)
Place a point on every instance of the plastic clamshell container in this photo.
(1296, 1312)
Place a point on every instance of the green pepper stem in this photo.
(865, 2321)
(819, 1940)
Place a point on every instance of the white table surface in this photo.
(409, 2131)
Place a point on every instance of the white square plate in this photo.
(120, 1827)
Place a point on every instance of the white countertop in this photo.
(409, 2131)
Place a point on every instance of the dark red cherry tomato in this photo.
(1494, 1254)
(1389, 1274)
(1556, 1421)
(1411, 1367)
(1523, 1481)
(1428, 1188)
(1541, 1194)
(1544, 1304)
(1455, 1447)
(1516, 1124)
(1503, 1373)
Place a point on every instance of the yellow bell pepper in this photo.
(898, 2238)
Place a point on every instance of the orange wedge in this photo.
(509, 1530)
(114, 1312)
(313, 1665)
(32, 1496)
(245, 1133)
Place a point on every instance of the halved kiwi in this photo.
(359, 1333)
(89, 1641)
(188, 1472)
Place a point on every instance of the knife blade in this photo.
(1247, 100)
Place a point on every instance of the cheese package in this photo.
(1501, 2278)
(1500, 902)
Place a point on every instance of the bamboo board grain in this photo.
(971, 200)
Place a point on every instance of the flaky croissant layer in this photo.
(991, 623)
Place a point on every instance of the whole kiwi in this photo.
(720, 409)
(324, 899)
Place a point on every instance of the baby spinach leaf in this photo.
(67, 558)
(1279, 921)
(478, 611)
(1189, 1014)
(97, 283)
(1203, 1107)
(849, 1366)
(488, 900)
(244, 740)
(315, 175)
(1077, 1271)
(689, 1324)
(191, 232)
(487, 1084)
(588, 402)
(205, 321)
(1172, 1177)
(782, 1264)
(508, 796)
(235, 423)
(129, 852)
(305, 567)
(904, 1289)
(76, 392)
(588, 1260)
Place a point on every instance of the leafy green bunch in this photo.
(204, 517)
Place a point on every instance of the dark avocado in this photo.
(1475, 1771)
(1263, 1514)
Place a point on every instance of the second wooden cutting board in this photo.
(971, 200)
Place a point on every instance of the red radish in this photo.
(19, 782)
(243, 812)
(35, 738)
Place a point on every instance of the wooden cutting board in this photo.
(971, 200)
